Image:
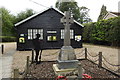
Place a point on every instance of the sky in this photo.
(16, 6)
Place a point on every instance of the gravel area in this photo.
(11, 46)
(42, 70)
(111, 54)
(45, 70)
(19, 57)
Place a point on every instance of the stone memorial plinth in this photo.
(67, 61)
(67, 58)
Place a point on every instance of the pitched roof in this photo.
(41, 13)
(116, 13)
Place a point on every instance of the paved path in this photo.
(6, 63)
(6, 66)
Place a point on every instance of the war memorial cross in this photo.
(67, 20)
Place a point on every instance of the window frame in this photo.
(33, 31)
(71, 33)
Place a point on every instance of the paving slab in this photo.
(6, 60)
(6, 67)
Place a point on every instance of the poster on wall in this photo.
(51, 38)
(78, 38)
(21, 40)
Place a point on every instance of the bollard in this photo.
(85, 53)
(32, 56)
(80, 71)
(16, 73)
(27, 66)
(119, 59)
(100, 59)
(2, 46)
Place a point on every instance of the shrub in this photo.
(104, 32)
(8, 38)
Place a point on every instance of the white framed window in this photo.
(29, 33)
(40, 31)
(62, 33)
(32, 33)
(71, 34)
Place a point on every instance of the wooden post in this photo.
(80, 71)
(32, 55)
(100, 59)
(27, 66)
(85, 53)
(16, 73)
(118, 60)
(2, 47)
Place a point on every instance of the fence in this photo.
(26, 72)
(100, 60)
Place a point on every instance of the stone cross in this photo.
(67, 61)
(67, 20)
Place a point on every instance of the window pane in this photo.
(62, 34)
(71, 34)
(32, 33)
(29, 33)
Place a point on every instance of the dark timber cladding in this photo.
(47, 23)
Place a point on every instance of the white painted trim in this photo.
(109, 13)
(42, 12)
(29, 17)
(113, 14)
(78, 23)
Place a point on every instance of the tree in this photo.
(7, 22)
(72, 6)
(80, 14)
(102, 13)
(84, 17)
(104, 32)
(87, 31)
(24, 14)
(114, 32)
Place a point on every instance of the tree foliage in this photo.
(84, 17)
(102, 13)
(103, 32)
(24, 14)
(8, 20)
(72, 6)
(80, 14)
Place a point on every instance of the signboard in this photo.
(51, 31)
(51, 38)
(21, 40)
(78, 38)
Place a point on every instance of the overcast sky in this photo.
(15, 6)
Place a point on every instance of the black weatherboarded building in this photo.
(47, 23)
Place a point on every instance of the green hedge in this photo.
(106, 32)
(8, 38)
